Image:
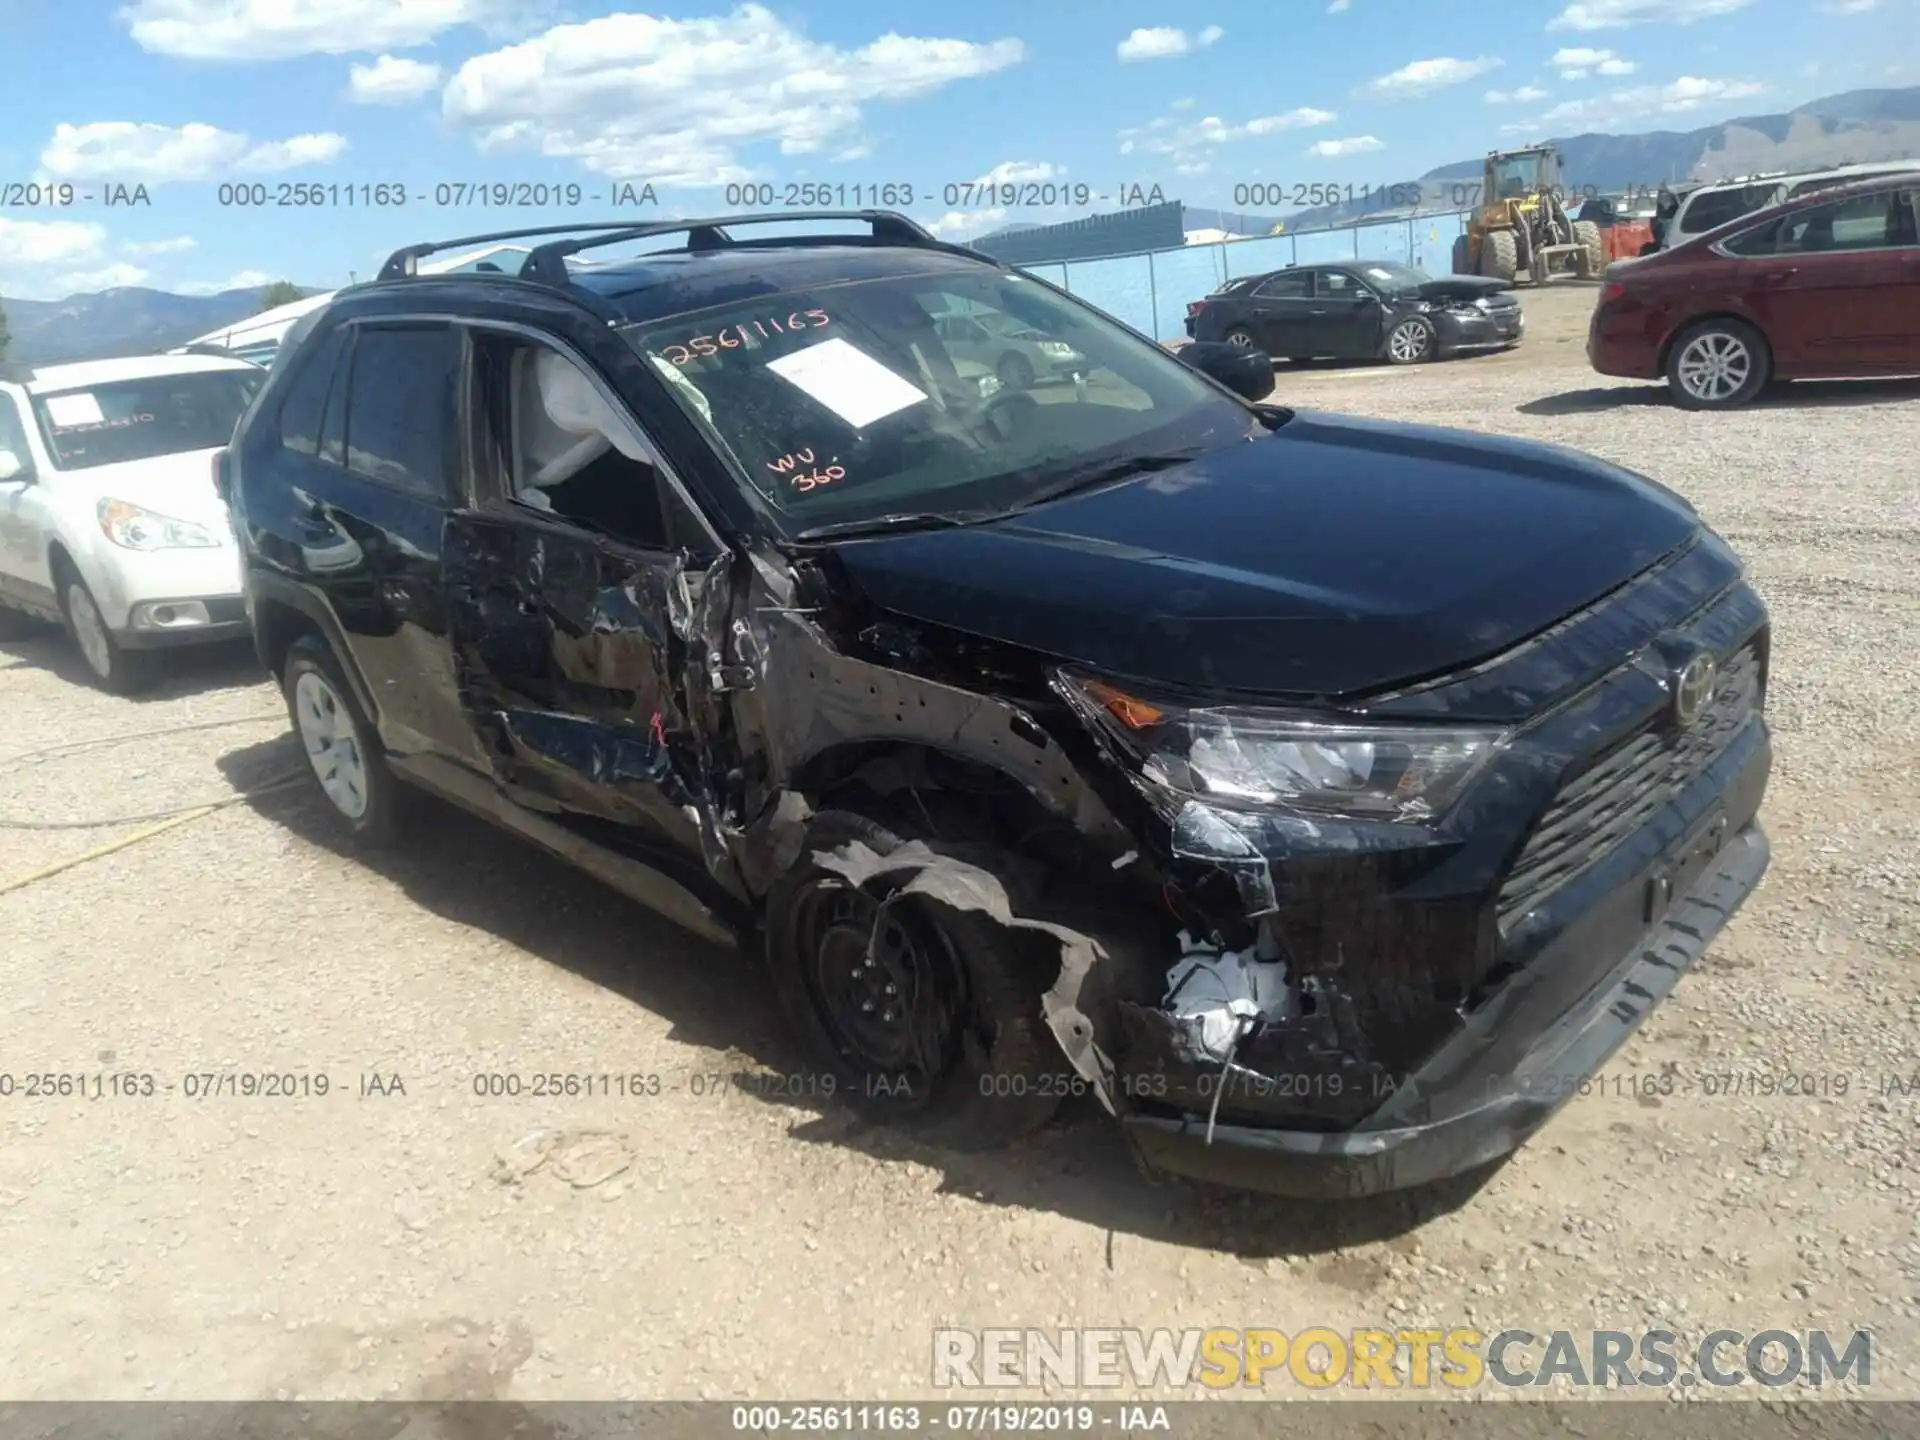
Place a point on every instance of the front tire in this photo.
(342, 749)
(114, 668)
(1410, 342)
(1717, 365)
(1499, 254)
(1015, 371)
(928, 1019)
(1462, 256)
(1593, 256)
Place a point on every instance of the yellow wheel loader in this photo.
(1522, 232)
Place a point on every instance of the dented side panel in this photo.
(581, 668)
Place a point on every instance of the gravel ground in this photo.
(402, 1237)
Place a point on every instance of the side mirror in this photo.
(1248, 373)
(12, 467)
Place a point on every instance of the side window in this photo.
(1338, 285)
(305, 405)
(402, 406)
(561, 447)
(1750, 244)
(1289, 286)
(1712, 209)
(1856, 224)
(1903, 226)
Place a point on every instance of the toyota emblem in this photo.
(1693, 686)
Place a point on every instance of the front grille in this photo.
(1604, 805)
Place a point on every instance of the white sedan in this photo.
(109, 520)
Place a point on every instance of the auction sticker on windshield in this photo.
(67, 411)
(847, 381)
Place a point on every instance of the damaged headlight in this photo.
(1251, 759)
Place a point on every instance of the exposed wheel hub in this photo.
(886, 981)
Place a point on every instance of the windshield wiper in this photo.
(1105, 472)
(904, 520)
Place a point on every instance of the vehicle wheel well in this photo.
(60, 563)
(926, 788)
(1666, 350)
(278, 626)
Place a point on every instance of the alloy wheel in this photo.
(1240, 340)
(1409, 341)
(1715, 366)
(333, 748)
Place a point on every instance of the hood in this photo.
(177, 485)
(1460, 287)
(1335, 556)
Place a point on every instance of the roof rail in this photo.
(547, 263)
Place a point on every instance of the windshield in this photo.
(954, 391)
(140, 419)
(1518, 175)
(1393, 278)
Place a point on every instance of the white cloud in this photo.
(164, 154)
(1356, 145)
(86, 282)
(1020, 172)
(49, 242)
(244, 280)
(1422, 77)
(1163, 42)
(1185, 103)
(390, 80)
(1525, 95)
(1190, 144)
(179, 244)
(1686, 94)
(1850, 7)
(1617, 14)
(1339, 7)
(674, 101)
(279, 29)
(1580, 61)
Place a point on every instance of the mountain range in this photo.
(128, 320)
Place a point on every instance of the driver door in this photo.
(1346, 315)
(577, 608)
(24, 574)
(1280, 311)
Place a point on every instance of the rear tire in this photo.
(1499, 255)
(931, 1024)
(1717, 364)
(1462, 256)
(114, 668)
(342, 748)
(1241, 338)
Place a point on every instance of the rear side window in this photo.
(402, 406)
(302, 412)
(1761, 240)
(1715, 208)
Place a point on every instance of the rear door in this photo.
(1279, 313)
(23, 510)
(372, 459)
(579, 588)
(1346, 315)
(1825, 295)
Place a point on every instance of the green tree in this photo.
(280, 292)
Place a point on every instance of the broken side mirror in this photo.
(1248, 373)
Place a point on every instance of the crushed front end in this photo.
(1409, 933)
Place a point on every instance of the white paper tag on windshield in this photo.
(81, 409)
(848, 381)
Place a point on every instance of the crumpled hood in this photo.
(1460, 287)
(177, 485)
(1332, 557)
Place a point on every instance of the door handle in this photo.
(1774, 277)
(1316, 312)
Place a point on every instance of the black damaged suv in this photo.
(1325, 796)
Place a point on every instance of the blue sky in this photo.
(437, 97)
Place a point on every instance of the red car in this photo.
(1825, 285)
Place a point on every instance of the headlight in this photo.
(136, 528)
(1250, 759)
(1055, 347)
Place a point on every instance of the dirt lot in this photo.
(715, 1238)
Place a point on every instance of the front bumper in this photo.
(1482, 332)
(167, 624)
(1493, 1116)
(136, 589)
